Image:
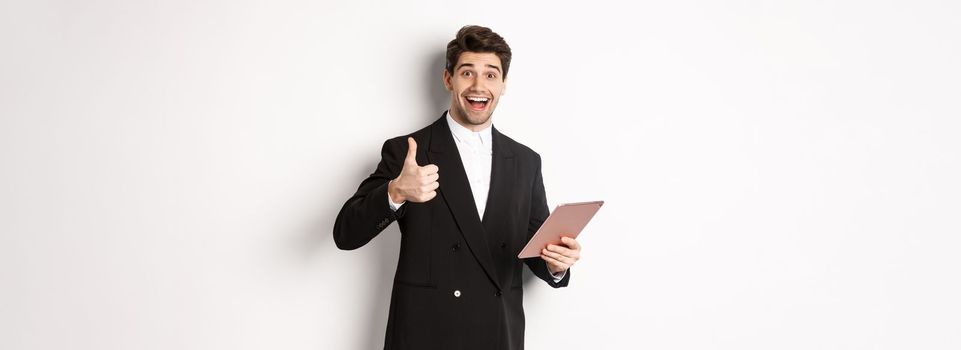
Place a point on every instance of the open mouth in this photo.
(477, 103)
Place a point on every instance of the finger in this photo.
(571, 243)
(411, 151)
(559, 257)
(429, 179)
(430, 195)
(429, 169)
(430, 187)
(558, 249)
(555, 262)
(571, 255)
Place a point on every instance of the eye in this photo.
(491, 76)
(467, 73)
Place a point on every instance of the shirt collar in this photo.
(462, 134)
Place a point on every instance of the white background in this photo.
(778, 175)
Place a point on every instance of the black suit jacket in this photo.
(458, 283)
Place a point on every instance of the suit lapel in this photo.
(455, 189)
(502, 171)
(498, 196)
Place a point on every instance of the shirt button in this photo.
(457, 294)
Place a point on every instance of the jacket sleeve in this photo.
(367, 212)
(539, 213)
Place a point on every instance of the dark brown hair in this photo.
(481, 40)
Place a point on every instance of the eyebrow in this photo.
(472, 66)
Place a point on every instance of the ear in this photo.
(447, 83)
(504, 90)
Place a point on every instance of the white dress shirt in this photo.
(476, 151)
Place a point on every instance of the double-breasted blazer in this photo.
(458, 282)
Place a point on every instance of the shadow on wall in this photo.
(382, 251)
(378, 257)
(438, 96)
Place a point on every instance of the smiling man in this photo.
(458, 283)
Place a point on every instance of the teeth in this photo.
(477, 99)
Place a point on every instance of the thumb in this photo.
(411, 151)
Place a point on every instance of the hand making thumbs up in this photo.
(415, 183)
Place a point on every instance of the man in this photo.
(458, 282)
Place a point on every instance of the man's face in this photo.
(475, 87)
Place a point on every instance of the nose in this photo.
(477, 85)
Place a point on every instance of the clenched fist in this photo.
(415, 183)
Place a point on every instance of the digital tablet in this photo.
(567, 220)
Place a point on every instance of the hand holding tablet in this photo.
(567, 220)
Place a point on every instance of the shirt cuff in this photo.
(394, 206)
(559, 276)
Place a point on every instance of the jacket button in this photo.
(455, 247)
(503, 245)
(498, 293)
(457, 294)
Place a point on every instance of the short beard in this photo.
(471, 122)
(466, 118)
